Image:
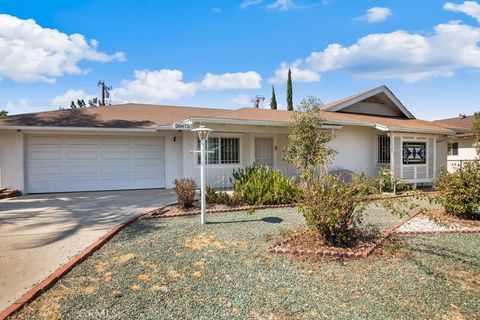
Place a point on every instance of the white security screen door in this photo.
(264, 152)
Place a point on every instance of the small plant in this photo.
(185, 189)
(261, 185)
(220, 197)
(459, 192)
(387, 182)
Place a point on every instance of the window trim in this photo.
(220, 164)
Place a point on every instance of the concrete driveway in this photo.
(40, 233)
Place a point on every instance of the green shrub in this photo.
(261, 185)
(220, 197)
(335, 209)
(185, 189)
(459, 192)
(386, 182)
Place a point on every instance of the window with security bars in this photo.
(383, 148)
(221, 150)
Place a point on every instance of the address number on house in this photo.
(182, 125)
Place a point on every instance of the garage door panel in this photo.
(91, 163)
(115, 169)
(125, 141)
(119, 154)
(45, 140)
(81, 170)
(46, 170)
(93, 141)
(148, 142)
(85, 154)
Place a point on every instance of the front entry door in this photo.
(264, 152)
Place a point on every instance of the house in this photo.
(462, 146)
(135, 146)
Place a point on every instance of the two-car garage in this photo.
(67, 163)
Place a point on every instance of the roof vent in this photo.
(462, 115)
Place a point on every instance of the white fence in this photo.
(454, 165)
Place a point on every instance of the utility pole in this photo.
(105, 92)
(256, 101)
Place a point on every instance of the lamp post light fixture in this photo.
(203, 133)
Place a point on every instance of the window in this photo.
(221, 150)
(453, 151)
(383, 145)
(414, 152)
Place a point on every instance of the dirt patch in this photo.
(197, 274)
(144, 277)
(174, 275)
(467, 280)
(136, 287)
(203, 241)
(124, 258)
(309, 240)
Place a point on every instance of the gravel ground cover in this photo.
(423, 223)
(174, 268)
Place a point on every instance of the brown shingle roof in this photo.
(458, 124)
(140, 116)
(249, 114)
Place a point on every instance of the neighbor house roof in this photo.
(460, 124)
(143, 116)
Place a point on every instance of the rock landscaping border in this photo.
(279, 248)
(47, 283)
(420, 232)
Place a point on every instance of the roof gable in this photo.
(379, 101)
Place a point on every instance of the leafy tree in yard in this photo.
(289, 91)
(273, 101)
(3, 113)
(476, 131)
(308, 148)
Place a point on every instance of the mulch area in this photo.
(174, 210)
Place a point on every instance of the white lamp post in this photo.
(203, 136)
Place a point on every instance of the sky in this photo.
(215, 53)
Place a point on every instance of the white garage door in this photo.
(92, 163)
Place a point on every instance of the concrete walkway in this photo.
(40, 233)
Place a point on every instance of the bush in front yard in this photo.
(459, 192)
(219, 197)
(334, 208)
(185, 189)
(261, 185)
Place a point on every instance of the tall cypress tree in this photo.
(273, 101)
(289, 91)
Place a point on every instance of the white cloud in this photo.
(70, 95)
(30, 52)
(168, 85)
(248, 3)
(471, 8)
(300, 75)
(402, 55)
(283, 5)
(154, 86)
(238, 80)
(242, 100)
(376, 14)
(217, 10)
